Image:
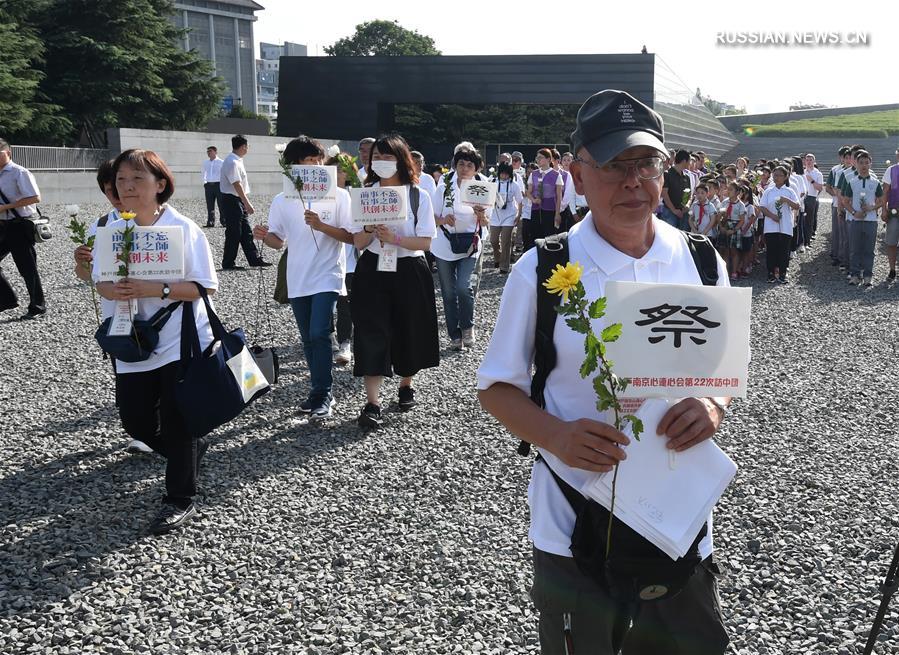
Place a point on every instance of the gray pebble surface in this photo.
(317, 538)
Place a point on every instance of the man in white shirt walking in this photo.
(236, 206)
(814, 180)
(618, 167)
(212, 174)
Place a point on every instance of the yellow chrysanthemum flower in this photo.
(564, 279)
(128, 216)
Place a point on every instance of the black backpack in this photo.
(636, 570)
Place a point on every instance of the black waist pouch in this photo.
(635, 570)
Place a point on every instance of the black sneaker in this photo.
(771, 279)
(260, 264)
(892, 275)
(306, 406)
(783, 279)
(407, 399)
(33, 314)
(323, 407)
(172, 517)
(370, 417)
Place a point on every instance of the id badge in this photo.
(120, 325)
(387, 259)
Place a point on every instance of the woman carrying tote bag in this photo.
(146, 389)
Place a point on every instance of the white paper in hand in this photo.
(666, 505)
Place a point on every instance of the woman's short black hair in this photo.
(106, 175)
(393, 144)
(506, 168)
(468, 155)
(302, 147)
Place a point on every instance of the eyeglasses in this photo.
(647, 168)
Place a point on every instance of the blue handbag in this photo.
(216, 384)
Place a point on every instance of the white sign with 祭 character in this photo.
(680, 340)
(477, 192)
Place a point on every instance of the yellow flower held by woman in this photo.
(564, 279)
(128, 216)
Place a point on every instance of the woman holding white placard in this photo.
(316, 234)
(457, 247)
(146, 389)
(392, 300)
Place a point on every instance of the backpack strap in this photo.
(551, 251)
(705, 258)
(103, 220)
(414, 200)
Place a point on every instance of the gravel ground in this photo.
(321, 539)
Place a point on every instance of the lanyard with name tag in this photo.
(121, 323)
(387, 258)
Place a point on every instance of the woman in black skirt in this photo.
(394, 311)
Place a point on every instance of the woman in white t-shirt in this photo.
(463, 225)
(316, 234)
(145, 390)
(777, 205)
(392, 301)
(505, 217)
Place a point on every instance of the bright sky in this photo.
(761, 78)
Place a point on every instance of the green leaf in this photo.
(623, 383)
(597, 308)
(90, 241)
(636, 425)
(603, 405)
(579, 324)
(602, 391)
(588, 366)
(611, 332)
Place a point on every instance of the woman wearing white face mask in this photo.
(394, 312)
(457, 247)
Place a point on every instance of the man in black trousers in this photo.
(212, 175)
(236, 206)
(18, 196)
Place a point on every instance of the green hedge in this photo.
(873, 125)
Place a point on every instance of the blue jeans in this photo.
(313, 314)
(672, 219)
(458, 294)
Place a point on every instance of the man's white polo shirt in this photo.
(510, 355)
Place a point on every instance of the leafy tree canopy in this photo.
(380, 38)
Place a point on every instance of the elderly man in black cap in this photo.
(620, 150)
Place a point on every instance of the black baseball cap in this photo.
(612, 121)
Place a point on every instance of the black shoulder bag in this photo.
(635, 570)
(40, 225)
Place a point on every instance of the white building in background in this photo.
(222, 32)
(267, 76)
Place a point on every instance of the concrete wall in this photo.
(185, 153)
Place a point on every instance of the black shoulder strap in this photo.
(6, 201)
(551, 251)
(414, 199)
(705, 258)
(103, 220)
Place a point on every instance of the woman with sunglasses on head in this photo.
(394, 311)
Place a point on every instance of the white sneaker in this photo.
(137, 447)
(334, 345)
(456, 344)
(344, 354)
(801, 247)
(468, 337)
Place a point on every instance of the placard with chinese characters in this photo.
(379, 205)
(156, 253)
(680, 340)
(477, 192)
(319, 183)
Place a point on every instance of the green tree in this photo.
(382, 37)
(117, 62)
(23, 107)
